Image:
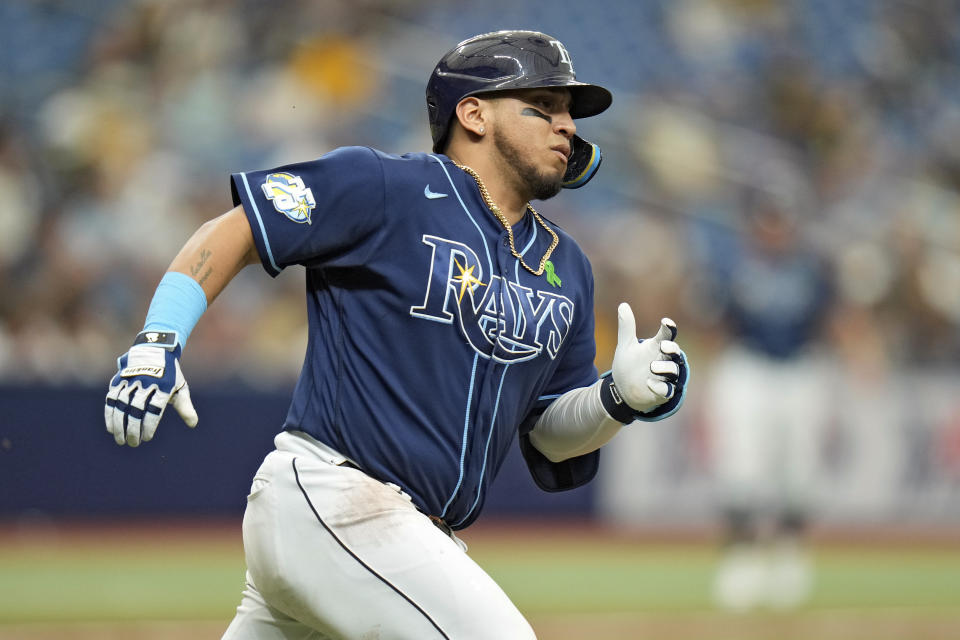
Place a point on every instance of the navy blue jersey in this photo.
(776, 305)
(430, 347)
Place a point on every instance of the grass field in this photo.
(142, 582)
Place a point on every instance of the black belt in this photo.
(441, 524)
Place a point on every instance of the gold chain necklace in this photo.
(506, 224)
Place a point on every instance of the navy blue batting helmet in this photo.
(506, 60)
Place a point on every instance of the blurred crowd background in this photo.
(120, 122)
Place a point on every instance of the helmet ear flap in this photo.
(585, 158)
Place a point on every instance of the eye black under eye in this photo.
(530, 111)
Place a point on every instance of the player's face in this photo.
(533, 137)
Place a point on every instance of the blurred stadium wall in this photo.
(120, 121)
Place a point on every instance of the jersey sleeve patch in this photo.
(290, 196)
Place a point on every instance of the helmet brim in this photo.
(588, 100)
(585, 99)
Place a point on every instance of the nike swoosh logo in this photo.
(432, 195)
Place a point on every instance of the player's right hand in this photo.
(148, 379)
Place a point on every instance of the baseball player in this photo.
(766, 423)
(447, 320)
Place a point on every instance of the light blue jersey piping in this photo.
(496, 406)
(263, 231)
(466, 413)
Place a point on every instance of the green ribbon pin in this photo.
(552, 278)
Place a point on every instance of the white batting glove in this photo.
(647, 374)
(149, 378)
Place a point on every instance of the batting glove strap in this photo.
(166, 339)
(613, 402)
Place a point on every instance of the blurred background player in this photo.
(767, 403)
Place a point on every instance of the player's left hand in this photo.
(148, 379)
(646, 373)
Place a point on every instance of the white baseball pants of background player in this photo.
(333, 554)
(769, 418)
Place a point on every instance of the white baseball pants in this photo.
(333, 554)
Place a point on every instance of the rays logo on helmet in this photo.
(290, 196)
(564, 54)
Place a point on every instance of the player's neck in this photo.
(508, 199)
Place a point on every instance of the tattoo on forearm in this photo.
(206, 274)
(528, 111)
(197, 268)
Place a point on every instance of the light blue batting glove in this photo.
(148, 379)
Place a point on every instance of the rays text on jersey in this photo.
(500, 319)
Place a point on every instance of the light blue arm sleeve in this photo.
(177, 305)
